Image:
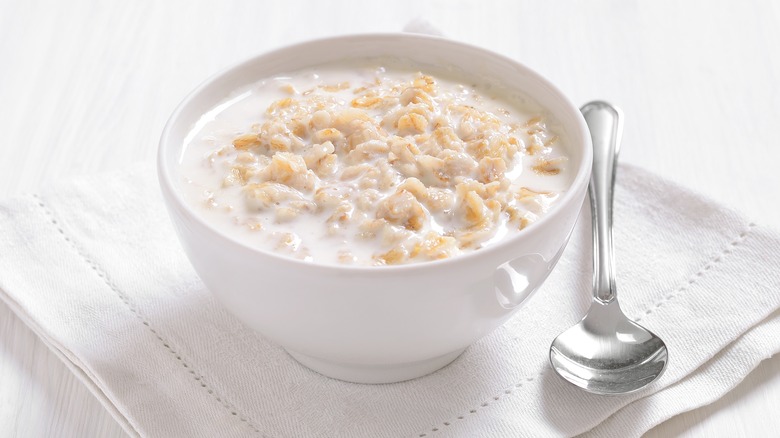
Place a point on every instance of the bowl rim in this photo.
(168, 186)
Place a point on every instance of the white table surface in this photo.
(87, 86)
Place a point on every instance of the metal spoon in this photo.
(606, 353)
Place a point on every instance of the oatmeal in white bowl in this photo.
(375, 203)
(374, 163)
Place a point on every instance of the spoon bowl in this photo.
(606, 353)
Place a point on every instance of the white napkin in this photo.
(94, 268)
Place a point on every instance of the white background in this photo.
(86, 86)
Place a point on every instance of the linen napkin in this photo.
(93, 267)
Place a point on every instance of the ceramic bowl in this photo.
(376, 324)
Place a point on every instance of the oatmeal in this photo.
(373, 165)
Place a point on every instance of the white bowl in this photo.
(376, 324)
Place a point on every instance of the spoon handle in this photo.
(606, 127)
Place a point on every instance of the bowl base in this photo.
(376, 373)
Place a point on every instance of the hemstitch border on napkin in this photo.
(126, 300)
(700, 273)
